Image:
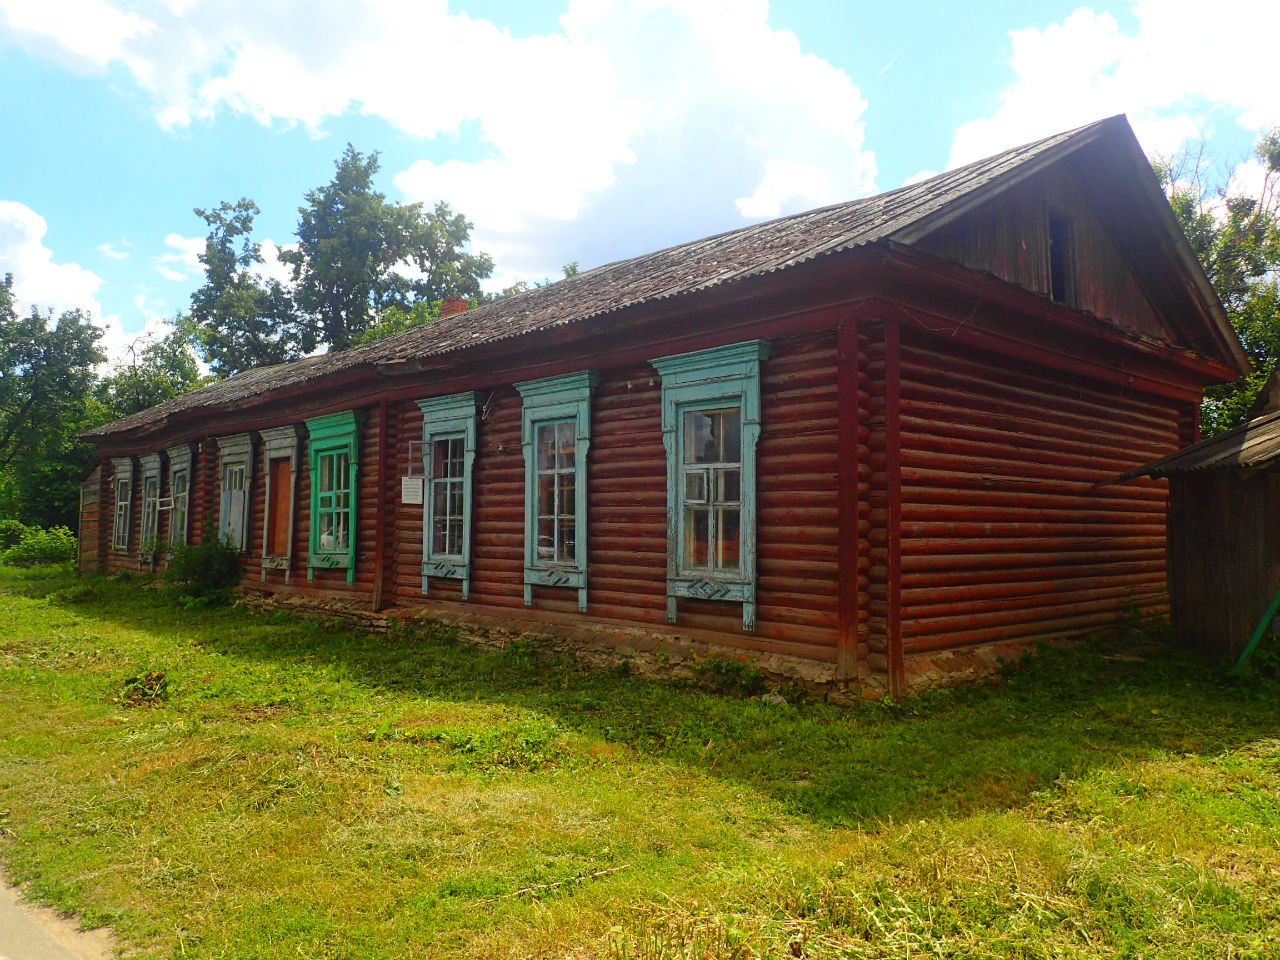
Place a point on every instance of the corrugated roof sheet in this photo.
(675, 271)
(1256, 444)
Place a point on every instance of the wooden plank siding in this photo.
(1005, 533)
(1008, 237)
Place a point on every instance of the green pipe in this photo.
(1259, 630)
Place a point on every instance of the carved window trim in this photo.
(556, 399)
(446, 418)
(235, 456)
(710, 379)
(179, 458)
(149, 536)
(122, 492)
(330, 436)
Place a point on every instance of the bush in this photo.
(37, 547)
(11, 531)
(206, 572)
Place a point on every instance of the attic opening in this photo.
(1062, 259)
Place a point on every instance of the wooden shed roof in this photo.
(901, 215)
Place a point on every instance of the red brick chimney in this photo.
(452, 306)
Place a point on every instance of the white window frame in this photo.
(122, 489)
(235, 454)
(179, 458)
(278, 443)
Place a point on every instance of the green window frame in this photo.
(449, 428)
(710, 428)
(556, 437)
(148, 540)
(334, 459)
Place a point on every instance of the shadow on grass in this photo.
(1056, 715)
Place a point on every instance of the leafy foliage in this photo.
(205, 572)
(353, 247)
(1237, 240)
(37, 546)
(238, 319)
(47, 374)
(158, 370)
(396, 319)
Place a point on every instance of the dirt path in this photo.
(31, 932)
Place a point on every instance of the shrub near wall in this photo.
(36, 546)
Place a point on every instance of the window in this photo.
(236, 454)
(334, 463)
(556, 434)
(449, 450)
(122, 482)
(710, 425)
(280, 446)
(1061, 259)
(150, 534)
(179, 493)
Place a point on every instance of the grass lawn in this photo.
(292, 790)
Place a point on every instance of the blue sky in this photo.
(581, 130)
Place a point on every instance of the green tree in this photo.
(1237, 240)
(358, 255)
(238, 319)
(397, 319)
(156, 371)
(47, 373)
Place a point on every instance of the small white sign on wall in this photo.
(411, 489)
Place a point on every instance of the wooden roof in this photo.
(901, 215)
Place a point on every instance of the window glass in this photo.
(447, 467)
(334, 513)
(150, 510)
(120, 529)
(555, 471)
(178, 516)
(712, 488)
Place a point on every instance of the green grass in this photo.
(288, 789)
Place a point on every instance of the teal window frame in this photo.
(553, 400)
(711, 380)
(332, 435)
(447, 418)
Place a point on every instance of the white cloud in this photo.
(184, 250)
(786, 184)
(40, 281)
(37, 279)
(271, 268)
(76, 32)
(594, 140)
(919, 177)
(169, 273)
(1168, 73)
(107, 250)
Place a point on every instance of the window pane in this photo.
(546, 539)
(728, 548)
(455, 537)
(566, 443)
(455, 458)
(340, 538)
(566, 506)
(341, 475)
(546, 494)
(696, 536)
(546, 446)
(695, 486)
(728, 486)
(699, 445)
(439, 498)
(439, 535)
(455, 498)
(327, 541)
(731, 439)
(326, 472)
(566, 544)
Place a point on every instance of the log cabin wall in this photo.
(1227, 515)
(1005, 533)
(88, 557)
(797, 527)
(1008, 236)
